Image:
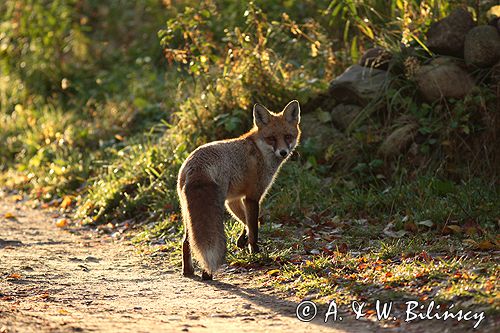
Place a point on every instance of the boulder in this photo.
(322, 133)
(443, 79)
(495, 74)
(358, 84)
(398, 140)
(482, 46)
(376, 57)
(447, 35)
(344, 114)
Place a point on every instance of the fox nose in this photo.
(283, 153)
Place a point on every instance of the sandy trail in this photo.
(52, 280)
(55, 280)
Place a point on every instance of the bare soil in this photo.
(57, 280)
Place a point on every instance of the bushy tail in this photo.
(205, 223)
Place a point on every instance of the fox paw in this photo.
(206, 276)
(188, 271)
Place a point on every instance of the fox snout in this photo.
(283, 152)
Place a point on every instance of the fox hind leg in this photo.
(237, 209)
(187, 261)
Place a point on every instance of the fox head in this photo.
(277, 133)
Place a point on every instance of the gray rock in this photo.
(358, 84)
(495, 74)
(398, 140)
(321, 133)
(482, 46)
(376, 57)
(447, 36)
(443, 79)
(344, 114)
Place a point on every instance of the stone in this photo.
(398, 140)
(443, 79)
(482, 46)
(344, 114)
(376, 57)
(495, 74)
(447, 35)
(323, 134)
(358, 85)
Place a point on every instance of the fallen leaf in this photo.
(66, 202)
(342, 248)
(471, 231)
(327, 251)
(62, 223)
(17, 197)
(63, 312)
(362, 266)
(425, 256)
(370, 312)
(9, 216)
(273, 272)
(427, 223)
(14, 276)
(452, 228)
(486, 245)
(395, 234)
(388, 231)
(44, 295)
(470, 242)
(411, 227)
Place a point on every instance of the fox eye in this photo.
(270, 140)
(288, 138)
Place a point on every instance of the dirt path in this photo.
(55, 280)
(52, 280)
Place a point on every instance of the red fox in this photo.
(236, 173)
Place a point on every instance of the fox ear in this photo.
(260, 115)
(292, 112)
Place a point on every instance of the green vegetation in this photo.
(101, 102)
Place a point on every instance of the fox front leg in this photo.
(252, 219)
